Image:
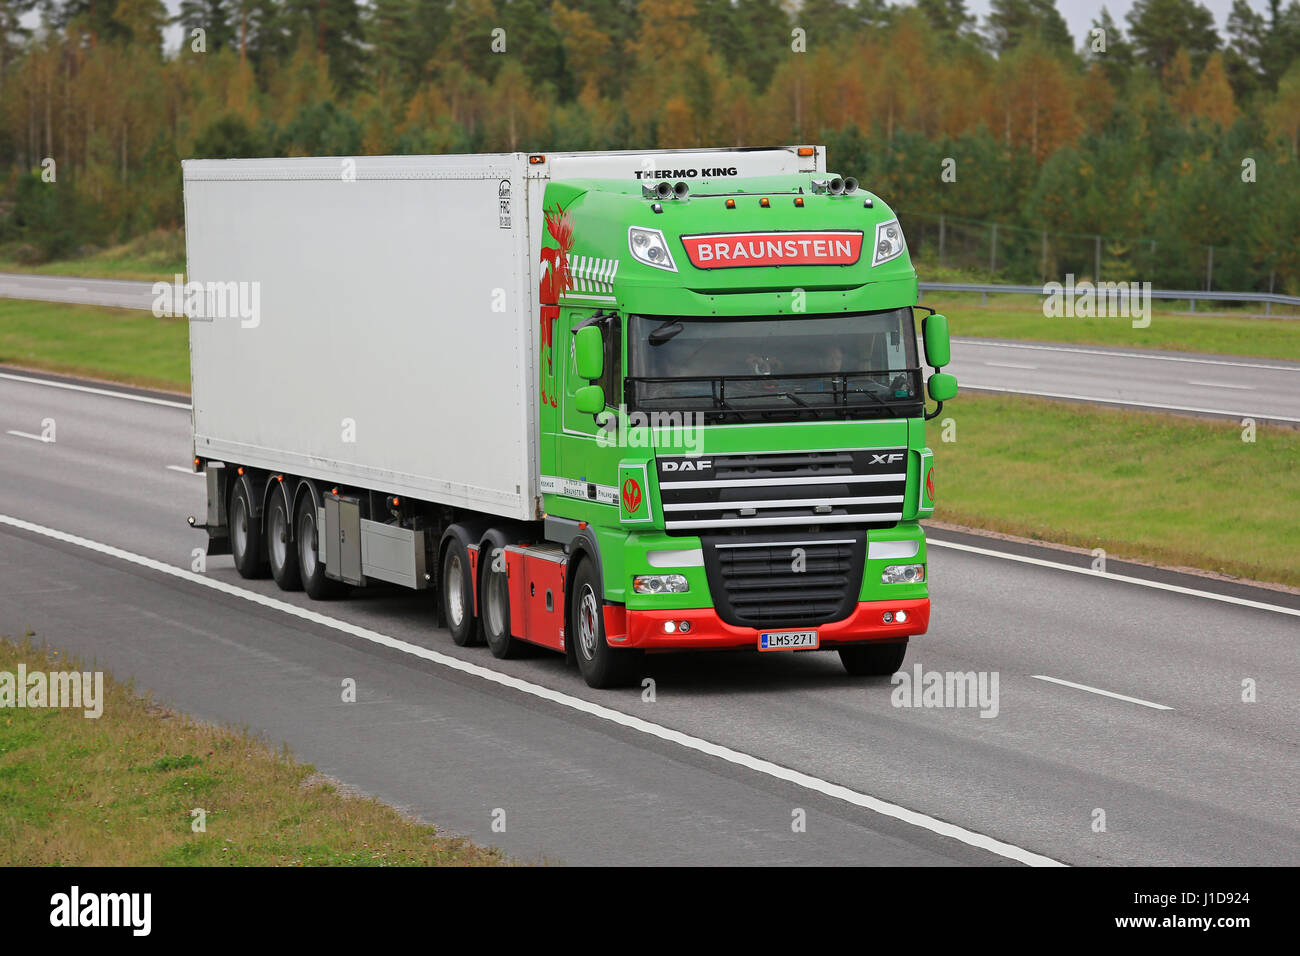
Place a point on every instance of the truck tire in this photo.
(494, 606)
(601, 665)
(457, 594)
(246, 540)
(311, 569)
(873, 660)
(281, 552)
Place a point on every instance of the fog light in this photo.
(669, 627)
(684, 627)
(903, 574)
(901, 617)
(888, 617)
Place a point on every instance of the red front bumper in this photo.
(645, 629)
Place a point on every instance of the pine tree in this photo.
(1159, 28)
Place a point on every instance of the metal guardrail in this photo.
(1191, 295)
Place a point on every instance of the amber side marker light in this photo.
(731, 204)
(536, 159)
(798, 201)
(806, 150)
(765, 202)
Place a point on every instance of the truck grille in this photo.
(862, 487)
(799, 582)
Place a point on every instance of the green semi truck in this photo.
(603, 403)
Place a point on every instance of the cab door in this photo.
(588, 452)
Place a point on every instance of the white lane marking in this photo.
(39, 438)
(1244, 388)
(183, 470)
(1122, 578)
(1192, 359)
(112, 393)
(638, 724)
(1098, 690)
(1119, 401)
(1029, 368)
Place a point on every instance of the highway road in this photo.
(1183, 383)
(1119, 692)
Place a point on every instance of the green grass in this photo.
(122, 345)
(118, 791)
(153, 256)
(1021, 318)
(1158, 488)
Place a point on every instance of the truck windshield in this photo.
(846, 365)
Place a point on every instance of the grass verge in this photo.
(118, 790)
(1158, 488)
(123, 345)
(155, 255)
(1021, 318)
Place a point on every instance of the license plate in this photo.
(787, 641)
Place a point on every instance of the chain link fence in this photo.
(1001, 253)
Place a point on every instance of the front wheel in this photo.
(601, 665)
(873, 660)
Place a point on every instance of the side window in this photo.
(612, 380)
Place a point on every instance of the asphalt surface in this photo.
(119, 293)
(1220, 386)
(1182, 383)
(586, 776)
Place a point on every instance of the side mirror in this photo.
(589, 354)
(938, 350)
(942, 386)
(590, 399)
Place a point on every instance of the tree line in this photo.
(1160, 129)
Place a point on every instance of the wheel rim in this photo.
(455, 590)
(497, 601)
(239, 528)
(307, 544)
(279, 537)
(588, 623)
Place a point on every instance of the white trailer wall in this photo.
(378, 358)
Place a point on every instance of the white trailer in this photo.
(393, 343)
(385, 286)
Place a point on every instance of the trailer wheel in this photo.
(873, 660)
(601, 665)
(311, 569)
(494, 605)
(280, 551)
(458, 594)
(245, 534)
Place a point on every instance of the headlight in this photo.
(903, 574)
(660, 584)
(889, 242)
(649, 247)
